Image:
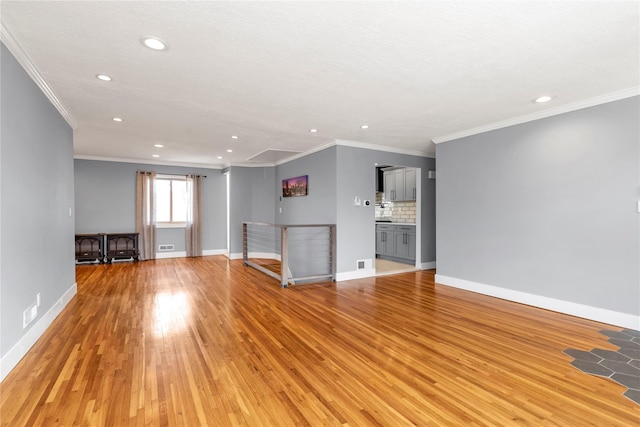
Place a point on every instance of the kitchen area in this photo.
(395, 216)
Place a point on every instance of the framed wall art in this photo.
(294, 187)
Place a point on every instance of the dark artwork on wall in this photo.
(297, 186)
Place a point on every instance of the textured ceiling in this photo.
(270, 71)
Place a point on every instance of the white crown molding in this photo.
(26, 63)
(579, 105)
(147, 162)
(355, 144)
(385, 148)
(306, 153)
(251, 165)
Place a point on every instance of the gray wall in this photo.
(308, 247)
(319, 207)
(37, 247)
(336, 174)
(105, 198)
(356, 225)
(251, 198)
(547, 207)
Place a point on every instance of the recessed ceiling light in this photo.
(219, 157)
(103, 77)
(234, 136)
(542, 99)
(155, 155)
(154, 43)
(229, 151)
(158, 145)
(313, 130)
(364, 127)
(117, 119)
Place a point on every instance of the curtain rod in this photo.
(179, 174)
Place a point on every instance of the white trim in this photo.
(17, 352)
(263, 255)
(26, 63)
(305, 153)
(250, 165)
(147, 162)
(375, 147)
(428, 265)
(173, 254)
(566, 307)
(356, 274)
(337, 142)
(355, 144)
(161, 225)
(211, 252)
(591, 102)
(183, 254)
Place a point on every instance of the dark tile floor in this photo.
(622, 366)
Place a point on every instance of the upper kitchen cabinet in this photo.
(410, 184)
(399, 184)
(393, 185)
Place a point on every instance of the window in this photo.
(171, 201)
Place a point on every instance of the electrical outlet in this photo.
(29, 315)
(38, 299)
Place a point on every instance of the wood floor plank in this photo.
(208, 342)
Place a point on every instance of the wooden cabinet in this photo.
(396, 242)
(122, 246)
(400, 184)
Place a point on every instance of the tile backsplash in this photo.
(395, 211)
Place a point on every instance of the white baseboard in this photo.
(428, 265)
(172, 254)
(17, 352)
(566, 307)
(183, 254)
(210, 252)
(263, 255)
(356, 274)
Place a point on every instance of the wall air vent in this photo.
(165, 247)
(364, 264)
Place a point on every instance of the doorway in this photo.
(397, 219)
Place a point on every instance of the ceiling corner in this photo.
(23, 59)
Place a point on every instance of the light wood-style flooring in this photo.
(384, 266)
(208, 342)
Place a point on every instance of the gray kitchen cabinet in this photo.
(409, 184)
(385, 240)
(399, 184)
(396, 242)
(404, 235)
(393, 185)
(412, 245)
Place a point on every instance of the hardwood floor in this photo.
(206, 341)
